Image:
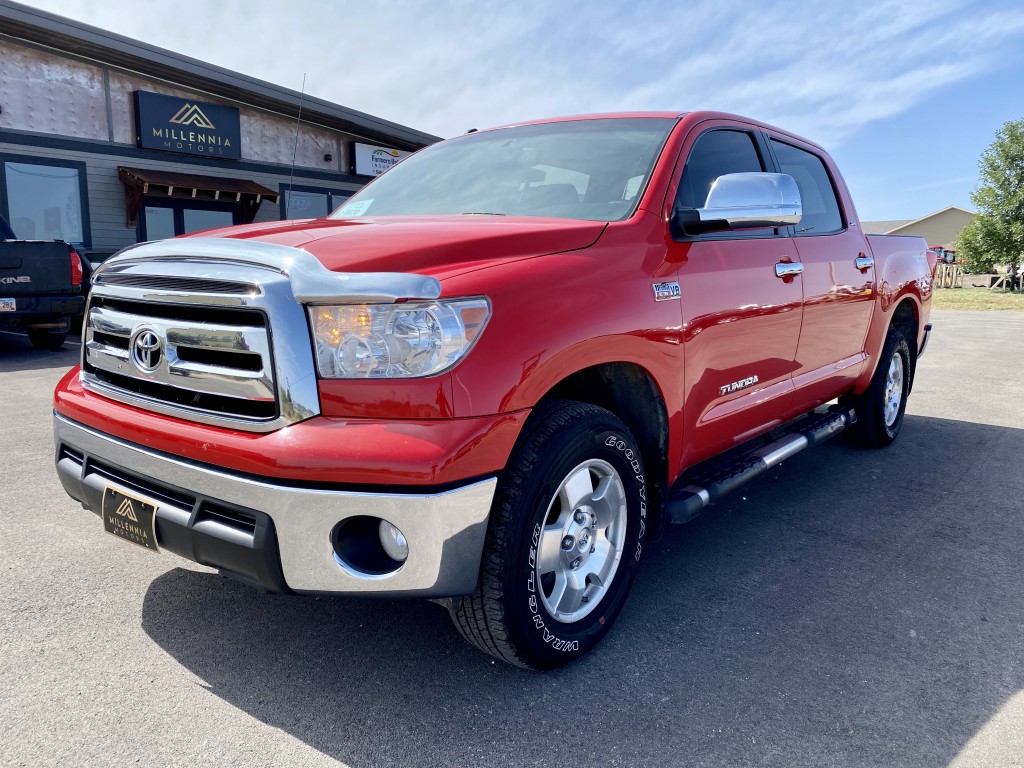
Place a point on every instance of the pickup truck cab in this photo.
(40, 287)
(496, 371)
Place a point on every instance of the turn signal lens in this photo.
(395, 341)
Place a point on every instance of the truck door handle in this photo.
(788, 269)
(863, 262)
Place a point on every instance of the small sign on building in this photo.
(174, 124)
(371, 160)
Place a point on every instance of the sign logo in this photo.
(371, 160)
(146, 350)
(190, 114)
(174, 124)
(127, 510)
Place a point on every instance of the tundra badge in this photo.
(741, 384)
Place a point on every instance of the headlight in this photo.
(395, 341)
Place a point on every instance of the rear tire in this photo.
(881, 407)
(563, 540)
(47, 338)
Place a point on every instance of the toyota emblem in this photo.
(146, 349)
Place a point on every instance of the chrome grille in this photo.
(187, 284)
(222, 367)
(194, 340)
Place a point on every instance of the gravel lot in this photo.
(855, 608)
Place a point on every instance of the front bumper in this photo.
(275, 534)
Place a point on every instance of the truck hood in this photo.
(438, 246)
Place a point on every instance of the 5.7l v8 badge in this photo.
(666, 291)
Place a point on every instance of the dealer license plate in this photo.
(8, 305)
(129, 518)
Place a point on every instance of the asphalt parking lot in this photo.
(854, 608)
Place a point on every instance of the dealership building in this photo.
(106, 141)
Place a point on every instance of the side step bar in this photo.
(688, 502)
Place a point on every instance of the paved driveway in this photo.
(854, 608)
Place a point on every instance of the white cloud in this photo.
(821, 69)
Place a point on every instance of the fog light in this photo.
(393, 541)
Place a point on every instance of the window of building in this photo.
(310, 202)
(817, 195)
(44, 200)
(162, 218)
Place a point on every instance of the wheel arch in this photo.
(904, 313)
(630, 392)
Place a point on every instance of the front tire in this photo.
(881, 407)
(563, 540)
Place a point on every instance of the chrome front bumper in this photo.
(445, 530)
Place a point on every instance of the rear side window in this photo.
(818, 196)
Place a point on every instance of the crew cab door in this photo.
(741, 317)
(838, 279)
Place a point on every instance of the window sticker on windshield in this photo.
(632, 187)
(355, 209)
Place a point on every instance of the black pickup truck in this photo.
(41, 287)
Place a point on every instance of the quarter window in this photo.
(821, 213)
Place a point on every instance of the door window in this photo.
(310, 202)
(159, 223)
(194, 220)
(715, 154)
(172, 218)
(305, 205)
(821, 208)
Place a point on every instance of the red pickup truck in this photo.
(496, 371)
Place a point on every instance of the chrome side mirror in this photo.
(745, 201)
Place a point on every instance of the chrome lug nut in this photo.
(576, 563)
(593, 550)
(568, 542)
(579, 517)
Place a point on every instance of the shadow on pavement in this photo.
(854, 608)
(18, 354)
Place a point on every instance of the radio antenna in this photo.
(295, 150)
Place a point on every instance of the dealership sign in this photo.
(373, 161)
(173, 124)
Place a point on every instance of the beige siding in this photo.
(48, 93)
(940, 228)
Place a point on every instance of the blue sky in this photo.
(905, 95)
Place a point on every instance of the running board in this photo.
(688, 502)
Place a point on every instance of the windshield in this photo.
(593, 170)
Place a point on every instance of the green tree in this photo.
(996, 236)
